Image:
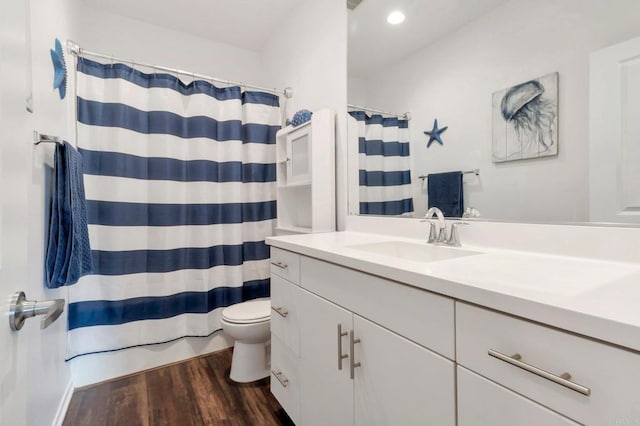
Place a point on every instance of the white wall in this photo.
(309, 53)
(357, 90)
(453, 80)
(49, 19)
(104, 32)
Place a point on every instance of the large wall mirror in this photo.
(513, 110)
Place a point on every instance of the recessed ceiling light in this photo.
(395, 17)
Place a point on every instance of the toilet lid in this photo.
(248, 312)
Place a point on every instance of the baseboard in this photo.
(64, 405)
(90, 369)
(159, 367)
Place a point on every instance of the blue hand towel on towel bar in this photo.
(68, 252)
(445, 192)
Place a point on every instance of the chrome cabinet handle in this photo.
(281, 311)
(341, 356)
(279, 265)
(281, 378)
(353, 365)
(563, 379)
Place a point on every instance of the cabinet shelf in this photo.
(296, 229)
(294, 185)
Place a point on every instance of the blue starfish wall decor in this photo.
(435, 134)
(59, 70)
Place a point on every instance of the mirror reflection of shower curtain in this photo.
(384, 164)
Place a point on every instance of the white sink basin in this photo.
(415, 252)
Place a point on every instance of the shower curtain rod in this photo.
(406, 115)
(75, 49)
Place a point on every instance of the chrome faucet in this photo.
(438, 236)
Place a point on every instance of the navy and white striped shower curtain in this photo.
(180, 187)
(384, 164)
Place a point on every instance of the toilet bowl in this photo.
(248, 324)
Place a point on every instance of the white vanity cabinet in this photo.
(366, 349)
(588, 381)
(356, 372)
(285, 331)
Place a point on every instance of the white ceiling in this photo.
(374, 44)
(242, 23)
(248, 24)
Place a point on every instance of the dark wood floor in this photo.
(195, 392)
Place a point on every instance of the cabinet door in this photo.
(285, 378)
(285, 313)
(484, 403)
(400, 382)
(327, 390)
(299, 156)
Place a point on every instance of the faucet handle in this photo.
(454, 239)
(432, 233)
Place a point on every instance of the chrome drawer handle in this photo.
(563, 379)
(341, 356)
(281, 378)
(281, 311)
(353, 365)
(279, 265)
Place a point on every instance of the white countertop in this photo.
(599, 299)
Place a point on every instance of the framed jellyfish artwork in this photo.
(525, 120)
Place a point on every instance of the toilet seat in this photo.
(250, 312)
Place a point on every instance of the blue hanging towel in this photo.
(68, 251)
(445, 192)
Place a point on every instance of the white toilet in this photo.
(248, 323)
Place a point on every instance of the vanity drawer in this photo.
(484, 403)
(420, 316)
(285, 264)
(284, 313)
(285, 382)
(609, 374)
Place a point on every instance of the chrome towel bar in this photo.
(39, 138)
(467, 172)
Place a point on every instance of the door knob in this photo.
(20, 309)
